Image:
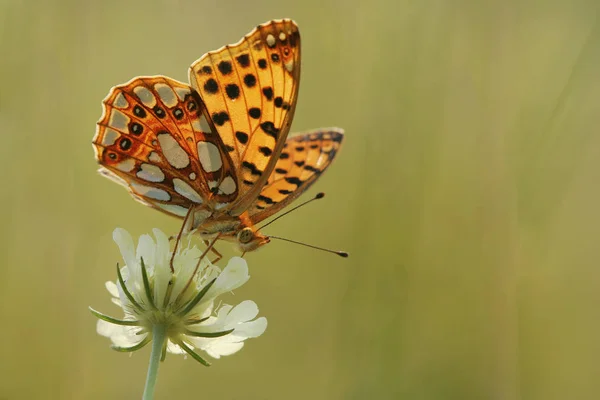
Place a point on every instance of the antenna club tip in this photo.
(320, 195)
(342, 254)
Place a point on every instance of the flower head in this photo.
(182, 301)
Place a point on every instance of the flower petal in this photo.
(175, 349)
(233, 276)
(250, 329)
(122, 336)
(245, 311)
(222, 348)
(112, 288)
(146, 250)
(161, 256)
(117, 301)
(223, 312)
(161, 267)
(125, 242)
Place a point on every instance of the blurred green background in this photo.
(467, 193)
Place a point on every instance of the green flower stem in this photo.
(158, 341)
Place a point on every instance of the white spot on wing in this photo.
(227, 186)
(154, 157)
(209, 156)
(166, 94)
(282, 36)
(186, 191)
(151, 192)
(204, 127)
(290, 65)
(121, 101)
(181, 93)
(192, 176)
(270, 40)
(173, 209)
(196, 125)
(172, 151)
(118, 120)
(126, 165)
(151, 173)
(110, 137)
(145, 96)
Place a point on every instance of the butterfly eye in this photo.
(245, 235)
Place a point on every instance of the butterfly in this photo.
(215, 152)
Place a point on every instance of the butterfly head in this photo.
(249, 239)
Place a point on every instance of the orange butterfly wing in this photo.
(153, 139)
(303, 159)
(250, 91)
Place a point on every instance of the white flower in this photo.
(182, 300)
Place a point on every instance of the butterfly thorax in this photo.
(236, 229)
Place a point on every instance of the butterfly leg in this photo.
(214, 251)
(185, 220)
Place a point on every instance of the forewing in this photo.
(303, 159)
(250, 91)
(153, 139)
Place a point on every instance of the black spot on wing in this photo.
(311, 168)
(265, 151)
(211, 86)
(254, 112)
(139, 111)
(136, 128)
(269, 128)
(293, 180)
(125, 144)
(243, 60)
(178, 113)
(220, 118)
(252, 168)
(233, 91)
(250, 80)
(266, 199)
(268, 92)
(241, 137)
(160, 113)
(225, 67)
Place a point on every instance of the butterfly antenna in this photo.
(339, 253)
(319, 195)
